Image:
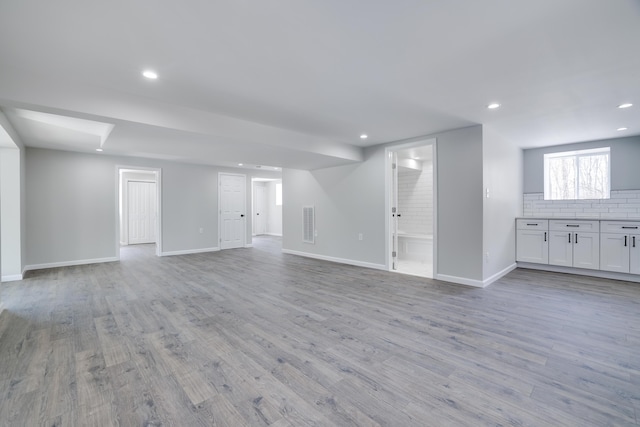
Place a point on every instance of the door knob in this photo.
(242, 215)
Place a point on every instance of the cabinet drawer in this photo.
(532, 224)
(620, 227)
(567, 225)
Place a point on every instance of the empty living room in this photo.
(419, 213)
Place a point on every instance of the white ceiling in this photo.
(293, 83)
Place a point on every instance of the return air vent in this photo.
(308, 224)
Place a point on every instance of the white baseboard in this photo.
(499, 274)
(274, 234)
(581, 271)
(190, 251)
(11, 278)
(70, 263)
(460, 280)
(338, 260)
(248, 245)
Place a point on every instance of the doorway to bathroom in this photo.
(411, 208)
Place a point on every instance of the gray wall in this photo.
(503, 177)
(459, 203)
(71, 204)
(625, 153)
(351, 200)
(16, 222)
(348, 200)
(10, 239)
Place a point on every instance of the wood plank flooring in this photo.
(257, 338)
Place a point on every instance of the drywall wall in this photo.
(72, 205)
(502, 170)
(10, 214)
(351, 199)
(348, 200)
(459, 204)
(16, 183)
(625, 173)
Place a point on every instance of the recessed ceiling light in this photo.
(416, 158)
(152, 75)
(621, 129)
(364, 136)
(240, 164)
(99, 149)
(625, 105)
(493, 106)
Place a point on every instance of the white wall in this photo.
(72, 205)
(274, 212)
(502, 164)
(351, 200)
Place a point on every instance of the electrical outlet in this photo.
(201, 230)
(360, 237)
(486, 257)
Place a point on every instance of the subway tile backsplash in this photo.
(415, 200)
(622, 204)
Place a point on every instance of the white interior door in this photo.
(260, 214)
(232, 210)
(141, 212)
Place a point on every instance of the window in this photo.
(572, 175)
(278, 194)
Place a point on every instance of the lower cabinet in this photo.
(607, 245)
(574, 244)
(532, 241)
(620, 247)
(574, 249)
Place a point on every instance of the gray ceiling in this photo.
(294, 83)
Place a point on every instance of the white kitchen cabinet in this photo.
(634, 254)
(620, 246)
(532, 241)
(574, 244)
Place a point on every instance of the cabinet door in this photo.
(586, 250)
(614, 255)
(634, 254)
(532, 246)
(561, 248)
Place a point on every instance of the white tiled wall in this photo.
(415, 200)
(622, 204)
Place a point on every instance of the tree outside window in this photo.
(574, 175)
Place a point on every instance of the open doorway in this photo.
(266, 206)
(139, 214)
(411, 208)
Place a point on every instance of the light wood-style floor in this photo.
(255, 337)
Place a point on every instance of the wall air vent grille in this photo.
(308, 224)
